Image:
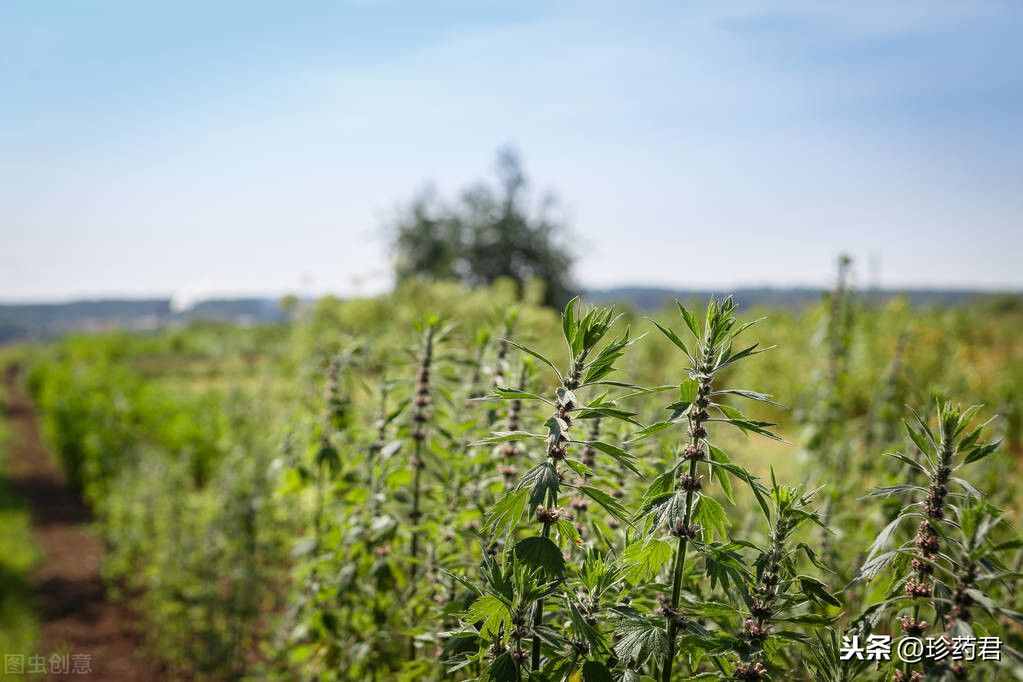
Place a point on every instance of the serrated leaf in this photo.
(888, 491)
(621, 456)
(644, 559)
(540, 552)
(639, 639)
(873, 567)
(610, 504)
(568, 531)
(506, 513)
(544, 482)
(751, 426)
(711, 515)
(492, 613)
(917, 438)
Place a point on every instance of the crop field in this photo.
(453, 483)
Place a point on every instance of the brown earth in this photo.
(77, 619)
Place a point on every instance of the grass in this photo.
(18, 554)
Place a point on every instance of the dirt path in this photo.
(76, 618)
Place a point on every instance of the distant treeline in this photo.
(655, 298)
(47, 320)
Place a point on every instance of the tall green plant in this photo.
(699, 405)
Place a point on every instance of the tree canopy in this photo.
(489, 232)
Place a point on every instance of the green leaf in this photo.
(744, 353)
(812, 557)
(537, 356)
(751, 426)
(968, 487)
(885, 536)
(621, 456)
(638, 639)
(505, 515)
(505, 436)
(544, 481)
(688, 390)
(673, 337)
(328, 455)
(610, 504)
(643, 559)
(650, 430)
(907, 461)
(746, 477)
(720, 473)
(493, 613)
(711, 515)
(603, 364)
(752, 395)
(873, 567)
(981, 452)
(515, 394)
(817, 591)
(568, 324)
(888, 491)
(556, 428)
(917, 438)
(607, 411)
(688, 318)
(661, 485)
(568, 531)
(503, 669)
(540, 552)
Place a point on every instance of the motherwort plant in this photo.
(422, 400)
(592, 354)
(936, 586)
(675, 500)
(778, 590)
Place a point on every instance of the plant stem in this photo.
(697, 417)
(556, 451)
(538, 617)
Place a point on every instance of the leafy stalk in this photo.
(713, 353)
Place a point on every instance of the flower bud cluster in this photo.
(421, 402)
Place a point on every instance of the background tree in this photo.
(488, 233)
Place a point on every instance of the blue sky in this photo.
(228, 148)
